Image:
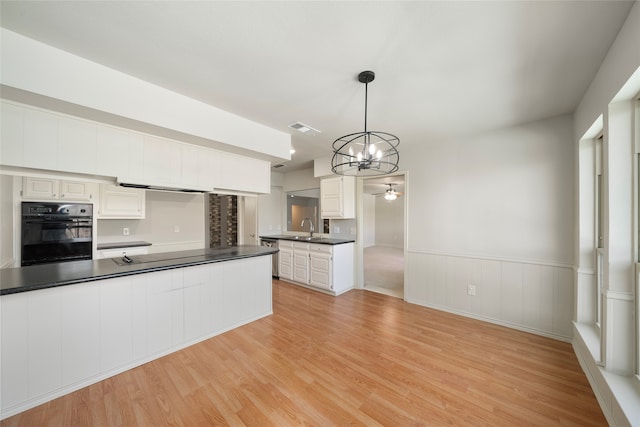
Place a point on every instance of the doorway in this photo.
(231, 220)
(383, 242)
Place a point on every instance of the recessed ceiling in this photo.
(443, 69)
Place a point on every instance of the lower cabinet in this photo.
(325, 267)
(301, 262)
(58, 340)
(285, 260)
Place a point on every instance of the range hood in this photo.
(135, 183)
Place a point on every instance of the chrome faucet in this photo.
(311, 227)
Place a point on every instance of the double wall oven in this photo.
(56, 232)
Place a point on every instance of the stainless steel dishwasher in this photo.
(272, 243)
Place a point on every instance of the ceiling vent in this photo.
(306, 129)
(277, 166)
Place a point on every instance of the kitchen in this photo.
(494, 217)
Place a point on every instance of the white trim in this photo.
(618, 295)
(9, 263)
(493, 258)
(586, 271)
(491, 320)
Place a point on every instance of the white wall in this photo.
(271, 212)
(6, 221)
(300, 180)
(164, 211)
(495, 210)
(389, 222)
(369, 220)
(506, 194)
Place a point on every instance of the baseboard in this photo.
(493, 321)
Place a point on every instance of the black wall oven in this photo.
(56, 232)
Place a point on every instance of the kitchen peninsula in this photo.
(69, 325)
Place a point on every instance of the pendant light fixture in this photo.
(365, 153)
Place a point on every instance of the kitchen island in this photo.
(69, 325)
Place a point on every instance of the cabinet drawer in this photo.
(325, 249)
(119, 252)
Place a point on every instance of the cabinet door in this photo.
(14, 366)
(40, 140)
(285, 269)
(116, 323)
(301, 266)
(119, 152)
(80, 316)
(73, 190)
(320, 270)
(76, 145)
(165, 321)
(12, 135)
(121, 202)
(40, 188)
(331, 197)
(44, 341)
(162, 160)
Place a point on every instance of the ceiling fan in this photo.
(391, 193)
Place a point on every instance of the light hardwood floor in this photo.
(359, 359)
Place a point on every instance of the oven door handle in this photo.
(58, 221)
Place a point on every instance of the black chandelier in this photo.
(365, 153)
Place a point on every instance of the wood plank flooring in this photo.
(359, 359)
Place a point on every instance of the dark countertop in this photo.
(321, 240)
(31, 278)
(115, 245)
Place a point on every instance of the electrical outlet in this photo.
(125, 231)
(176, 228)
(336, 229)
(471, 290)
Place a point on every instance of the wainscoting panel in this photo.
(534, 297)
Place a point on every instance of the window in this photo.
(636, 203)
(599, 230)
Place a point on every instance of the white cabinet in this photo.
(11, 134)
(40, 188)
(165, 311)
(121, 202)
(120, 252)
(119, 152)
(80, 318)
(285, 258)
(301, 262)
(40, 149)
(76, 145)
(162, 161)
(320, 266)
(54, 189)
(54, 340)
(74, 190)
(337, 197)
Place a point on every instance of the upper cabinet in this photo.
(338, 197)
(38, 139)
(121, 203)
(119, 152)
(53, 189)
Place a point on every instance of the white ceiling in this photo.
(443, 69)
